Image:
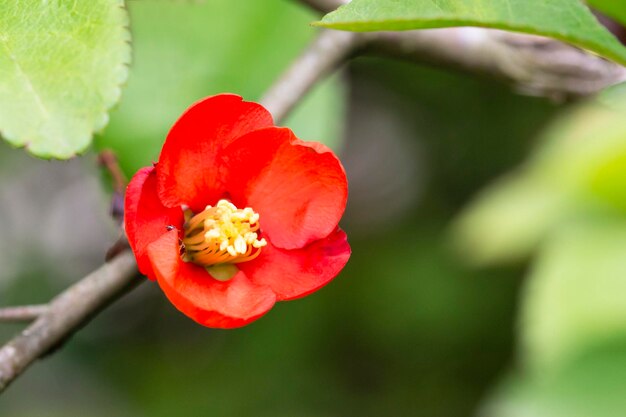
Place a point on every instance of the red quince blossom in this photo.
(237, 214)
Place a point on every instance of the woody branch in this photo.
(530, 64)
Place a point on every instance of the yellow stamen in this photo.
(222, 234)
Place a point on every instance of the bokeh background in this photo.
(431, 315)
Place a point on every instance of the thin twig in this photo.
(22, 313)
(327, 52)
(66, 313)
(531, 64)
(108, 160)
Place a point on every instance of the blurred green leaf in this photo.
(61, 65)
(613, 97)
(185, 51)
(508, 220)
(566, 20)
(575, 296)
(613, 8)
(591, 385)
(579, 169)
(585, 153)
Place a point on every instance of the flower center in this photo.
(222, 234)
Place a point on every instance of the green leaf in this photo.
(585, 153)
(61, 67)
(591, 385)
(184, 51)
(575, 296)
(578, 170)
(508, 220)
(566, 20)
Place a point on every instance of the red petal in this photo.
(189, 166)
(298, 188)
(195, 293)
(145, 217)
(296, 273)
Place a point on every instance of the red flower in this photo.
(237, 214)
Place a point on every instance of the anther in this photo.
(222, 234)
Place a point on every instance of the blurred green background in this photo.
(456, 301)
